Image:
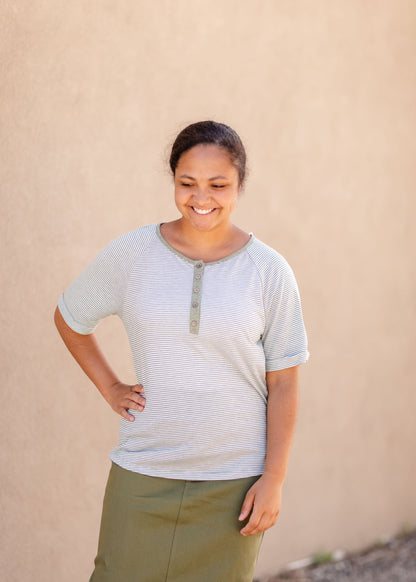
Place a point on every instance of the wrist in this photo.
(108, 389)
(275, 476)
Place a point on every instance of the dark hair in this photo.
(210, 132)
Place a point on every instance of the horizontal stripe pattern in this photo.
(206, 396)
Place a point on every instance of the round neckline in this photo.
(194, 261)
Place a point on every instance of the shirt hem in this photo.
(190, 476)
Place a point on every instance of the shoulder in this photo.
(122, 252)
(269, 262)
(277, 276)
(132, 242)
(143, 235)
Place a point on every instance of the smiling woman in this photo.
(208, 162)
(207, 187)
(215, 325)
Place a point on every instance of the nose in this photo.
(201, 194)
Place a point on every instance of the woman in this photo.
(215, 325)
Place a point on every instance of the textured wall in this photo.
(323, 93)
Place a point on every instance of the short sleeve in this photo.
(97, 292)
(284, 339)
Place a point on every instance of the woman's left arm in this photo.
(263, 499)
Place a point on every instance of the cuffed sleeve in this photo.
(70, 321)
(97, 292)
(284, 340)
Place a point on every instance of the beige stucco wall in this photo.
(323, 93)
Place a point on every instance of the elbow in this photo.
(60, 323)
(57, 318)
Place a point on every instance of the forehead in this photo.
(205, 158)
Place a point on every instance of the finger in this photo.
(125, 414)
(136, 397)
(252, 525)
(247, 505)
(266, 522)
(138, 388)
(134, 406)
(260, 527)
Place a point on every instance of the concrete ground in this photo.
(394, 561)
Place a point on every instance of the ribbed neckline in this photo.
(193, 261)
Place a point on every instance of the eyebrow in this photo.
(219, 177)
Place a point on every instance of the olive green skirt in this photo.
(171, 530)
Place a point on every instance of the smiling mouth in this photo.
(202, 211)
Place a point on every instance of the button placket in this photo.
(196, 297)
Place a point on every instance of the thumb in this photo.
(247, 505)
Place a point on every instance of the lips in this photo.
(202, 211)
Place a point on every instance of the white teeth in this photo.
(202, 211)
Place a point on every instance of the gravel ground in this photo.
(394, 561)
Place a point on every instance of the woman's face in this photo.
(206, 187)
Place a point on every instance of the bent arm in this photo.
(87, 353)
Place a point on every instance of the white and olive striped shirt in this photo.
(202, 337)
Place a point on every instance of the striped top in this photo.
(202, 336)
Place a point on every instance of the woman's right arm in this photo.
(87, 353)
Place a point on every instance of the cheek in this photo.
(180, 197)
(233, 201)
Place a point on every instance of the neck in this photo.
(208, 246)
(218, 237)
